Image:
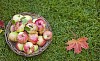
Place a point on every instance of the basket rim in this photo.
(22, 53)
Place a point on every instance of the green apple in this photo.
(20, 28)
(19, 46)
(35, 48)
(17, 17)
(32, 28)
(13, 36)
(34, 20)
(27, 17)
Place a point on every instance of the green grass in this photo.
(80, 16)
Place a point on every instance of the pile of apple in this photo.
(29, 33)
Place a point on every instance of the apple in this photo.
(28, 48)
(41, 42)
(41, 24)
(47, 35)
(41, 28)
(33, 28)
(13, 36)
(27, 17)
(17, 17)
(41, 32)
(19, 27)
(34, 20)
(35, 48)
(19, 46)
(22, 37)
(12, 28)
(33, 38)
(30, 21)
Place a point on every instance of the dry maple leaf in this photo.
(78, 44)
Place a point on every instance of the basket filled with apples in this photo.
(28, 34)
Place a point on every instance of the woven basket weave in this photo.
(12, 44)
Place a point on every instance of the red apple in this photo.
(47, 35)
(33, 28)
(19, 46)
(12, 28)
(33, 38)
(19, 27)
(13, 36)
(41, 42)
(35, 48)
(41, 24)
(28, 47)
(41, 21)
(22, 37)
(17, 17)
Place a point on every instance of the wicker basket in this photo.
(12, 44)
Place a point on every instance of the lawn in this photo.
(80, 16)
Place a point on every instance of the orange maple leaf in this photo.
(78, 44)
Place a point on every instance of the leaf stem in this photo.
(75, 36)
